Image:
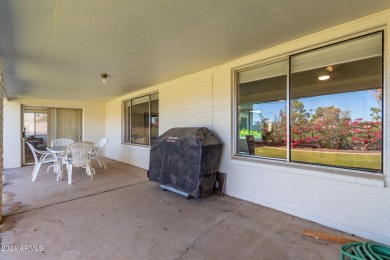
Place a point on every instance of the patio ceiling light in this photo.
(104, 78)
(323, 75)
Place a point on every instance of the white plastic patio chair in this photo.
(45, 157)
(78, 155)
(98, 152)
(59, 142)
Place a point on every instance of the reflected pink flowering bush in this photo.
(328, 127)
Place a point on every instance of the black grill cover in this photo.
(186, 159)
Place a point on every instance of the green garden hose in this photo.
(365, 250)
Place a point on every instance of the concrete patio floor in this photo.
(121, 215)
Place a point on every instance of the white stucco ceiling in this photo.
(58, 49)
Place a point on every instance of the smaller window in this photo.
(141, 119)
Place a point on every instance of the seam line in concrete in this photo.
(209, 230)
(86, 196)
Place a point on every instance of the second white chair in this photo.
(59, 142)
(78, 155)
(98, 152)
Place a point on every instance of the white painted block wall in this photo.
(12, 135)
(339, 199)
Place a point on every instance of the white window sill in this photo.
(337, 174)
(141, 146)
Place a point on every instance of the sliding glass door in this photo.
(34, 131)
(41, 125)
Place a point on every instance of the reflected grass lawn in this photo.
(370, 161)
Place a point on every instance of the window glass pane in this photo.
(338, 120)
(140, 100)
(262, 111)
(29, 124)
(154, 124)
(126, 121)
(140, 120)
(41, 123)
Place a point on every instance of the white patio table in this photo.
(59, 152)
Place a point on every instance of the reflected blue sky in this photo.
(358, 103)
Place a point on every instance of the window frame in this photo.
(126, 119)
(287, 57)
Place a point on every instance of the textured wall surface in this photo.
(346, 200)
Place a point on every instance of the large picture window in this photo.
(141, 119)
(322, 106)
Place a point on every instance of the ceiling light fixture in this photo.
(323, 75)
(104, 77)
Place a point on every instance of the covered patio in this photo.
(130, 71)
(121, 215)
